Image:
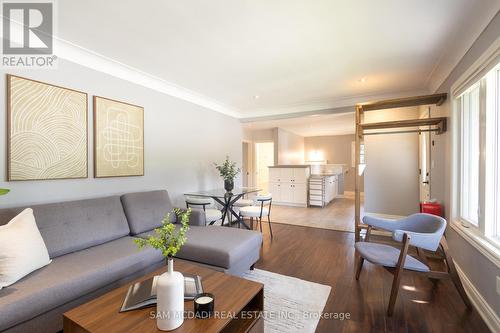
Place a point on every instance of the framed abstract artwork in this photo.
(46, 131)
(118, 138)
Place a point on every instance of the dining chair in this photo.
(212, 215)
(243, 203)
(261, 207)
(423, 231)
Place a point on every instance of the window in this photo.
(479, 155)
(492, 188)
(469, 143)
(362, 157)
(361, 154)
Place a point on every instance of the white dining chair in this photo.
(212, 214)
(243, 203)
(261, 207)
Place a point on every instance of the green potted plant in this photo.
(228, 171)
(170, 285)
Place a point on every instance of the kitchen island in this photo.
(289, 184)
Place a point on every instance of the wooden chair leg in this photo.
(454, 274)
(423, 258)
(394, 292)
(361, 260)
(397, 275)
(260, 221)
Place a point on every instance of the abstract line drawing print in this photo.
(47, 131)
(119, 138)
(123, 140)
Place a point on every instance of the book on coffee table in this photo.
(143, 294)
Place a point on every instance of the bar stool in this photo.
(261, 207)
(212, 215)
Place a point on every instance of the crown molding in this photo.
(93, 60)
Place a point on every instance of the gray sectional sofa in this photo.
(91, 246)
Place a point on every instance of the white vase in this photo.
(170, 299)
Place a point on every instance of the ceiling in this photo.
(295, 56)
(312, 125)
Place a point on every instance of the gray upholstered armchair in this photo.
(423, 231)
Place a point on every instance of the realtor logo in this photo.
(27, 34)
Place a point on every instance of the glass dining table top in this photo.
(222, 193)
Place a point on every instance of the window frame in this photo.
(479, 237)
(460, 101)
(492, 100)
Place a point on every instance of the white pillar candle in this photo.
(204, 300)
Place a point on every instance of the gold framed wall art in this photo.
(118, 138)
(47, 131)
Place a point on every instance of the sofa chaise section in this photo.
(230, 250)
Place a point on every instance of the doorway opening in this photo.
(312, 175)
(424, 160)
(264, 158)
(247, 163)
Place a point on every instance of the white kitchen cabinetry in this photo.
(331, 186)
(289, 185)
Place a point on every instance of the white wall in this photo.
(391, 175)
(181, 141)
(290, 147)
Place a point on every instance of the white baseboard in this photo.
(487, 313)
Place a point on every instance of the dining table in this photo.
(227, 199)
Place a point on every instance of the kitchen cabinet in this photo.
(289, 185)
(331, 187)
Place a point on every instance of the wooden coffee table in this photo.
(233, 295)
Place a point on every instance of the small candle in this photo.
(204, 305)
(204, 300)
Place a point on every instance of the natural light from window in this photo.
(479, 158)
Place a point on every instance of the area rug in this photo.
(290, 304)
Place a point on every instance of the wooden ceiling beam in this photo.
(440, 122)
(436, 99)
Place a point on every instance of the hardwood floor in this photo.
(327, 257)
(338, 215)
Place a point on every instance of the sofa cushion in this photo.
(75, 225)
(217, 246)
(22, 249)
(145, 210)
(72, 276)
